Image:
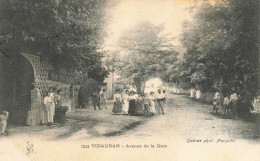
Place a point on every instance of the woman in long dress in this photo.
(53, 96)
(58, 99)
(146, 105)
(132, 103)
(49, 106)
(139, 105)
(152, 100)
(117, 108)
(126, 102)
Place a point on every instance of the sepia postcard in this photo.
(121, 80)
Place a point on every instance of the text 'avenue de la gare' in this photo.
(133, 146)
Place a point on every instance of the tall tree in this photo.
(146, 47)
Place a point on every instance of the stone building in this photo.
(24, 81)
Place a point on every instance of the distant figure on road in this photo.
(160, 101)
(126, 102)
(216, 102)
(233, 101)
(118, 101)
(192, 93)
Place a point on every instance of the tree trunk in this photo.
(140, 85)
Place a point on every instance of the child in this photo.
(3, 122)
(152, 105)
(226, 106)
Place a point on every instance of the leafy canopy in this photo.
(148, 51)
(67, 32)
(221, 49)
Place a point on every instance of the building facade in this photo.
(24, 81)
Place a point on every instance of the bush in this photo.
(207, 97)
(86, 91)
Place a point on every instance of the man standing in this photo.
(96, 100)
(102, 95)
(233, 100)
(160, 100)
(164, 99)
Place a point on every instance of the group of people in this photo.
(52, 100)
(229, 104)
(133, 103)
(99, 99)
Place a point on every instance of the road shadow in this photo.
(124, 129)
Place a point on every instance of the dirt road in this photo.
(192, 119)
(188, 131)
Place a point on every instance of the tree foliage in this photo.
(221, 48)
(68, 32)
(148, 50)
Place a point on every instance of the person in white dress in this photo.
(216, 102)
(50, 107)
(126, 102)
(152, 100)
(52, 94)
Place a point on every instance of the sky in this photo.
(127, 13)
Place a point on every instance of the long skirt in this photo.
(132, 107)
(152, 108)
(117, 108)
(126, 106)
(50, 112)
(44, 118)
(146, 110)
(139, 108)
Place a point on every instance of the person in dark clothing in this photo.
(96, 100)
(132, 104)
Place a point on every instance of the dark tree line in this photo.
(222, 48)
